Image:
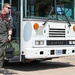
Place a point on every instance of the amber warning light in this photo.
(74, 27)
(36, 26)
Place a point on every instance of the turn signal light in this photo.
(74, 27)
(36, 26)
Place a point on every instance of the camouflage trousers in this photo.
(1, 49)
(2, 45)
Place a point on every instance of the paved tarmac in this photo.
(57, 66)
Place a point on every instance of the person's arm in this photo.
(10, 27)
(9, 35)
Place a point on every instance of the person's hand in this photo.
(9, 38)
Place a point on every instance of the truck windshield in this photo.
(40, 9)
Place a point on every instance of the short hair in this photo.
(6, 4)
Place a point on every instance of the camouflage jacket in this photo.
(6, 24)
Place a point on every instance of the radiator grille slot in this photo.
(56, 32)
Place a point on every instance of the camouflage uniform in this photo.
(6, 24)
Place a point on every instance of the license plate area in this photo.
(58, 52)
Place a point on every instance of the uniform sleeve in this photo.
(10, 23)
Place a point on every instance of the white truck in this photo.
(37, 36)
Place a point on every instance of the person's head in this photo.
(6, 8)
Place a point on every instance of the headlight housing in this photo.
(72, 42)
(39, 42)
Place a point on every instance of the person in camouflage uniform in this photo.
(6, 26)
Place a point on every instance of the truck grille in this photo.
(56, 32)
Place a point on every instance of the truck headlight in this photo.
(72, 42)
(39, 42)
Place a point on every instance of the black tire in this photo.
(1, 62)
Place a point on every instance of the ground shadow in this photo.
(36, 65)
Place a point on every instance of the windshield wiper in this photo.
(68, 21)
(48, 15)
(65, 17)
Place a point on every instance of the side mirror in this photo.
(31, 2)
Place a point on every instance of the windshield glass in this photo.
(51, 9)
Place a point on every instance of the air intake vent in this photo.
(56, 32)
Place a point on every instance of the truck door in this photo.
(15, 12)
